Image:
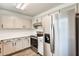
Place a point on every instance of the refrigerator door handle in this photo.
(52, 36)
(53, 39)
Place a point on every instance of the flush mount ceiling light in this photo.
(22, 6)
(18, 5)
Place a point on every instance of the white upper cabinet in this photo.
(22, 23)
(33, 20)
(39, 20)
(15, 22)
(27, 23)
(7, 22)
(46, 23)
(18, 23)
(36, 20)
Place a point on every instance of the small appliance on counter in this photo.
(39, 33)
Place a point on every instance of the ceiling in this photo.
(31, 10)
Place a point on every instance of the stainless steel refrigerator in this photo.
(59, 34)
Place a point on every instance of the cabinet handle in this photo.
(28, 40)
(12, 44)
(2, 26)
(15, 43)
(0, 50)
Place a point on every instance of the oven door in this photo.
(34, 43)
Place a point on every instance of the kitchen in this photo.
(29, 30)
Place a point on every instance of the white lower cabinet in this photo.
(26, 42)
(7, 47)
(16, 44)
(40, 45)
(21, 43)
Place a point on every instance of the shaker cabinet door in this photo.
(29, 44)
(7, 22)
(18, 44)
(18, 23)
(24, 42)
(46, 23)
(7, 48)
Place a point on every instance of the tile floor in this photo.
(28, 52)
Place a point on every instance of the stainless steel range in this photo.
(34, 43)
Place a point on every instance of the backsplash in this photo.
(5, 34)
